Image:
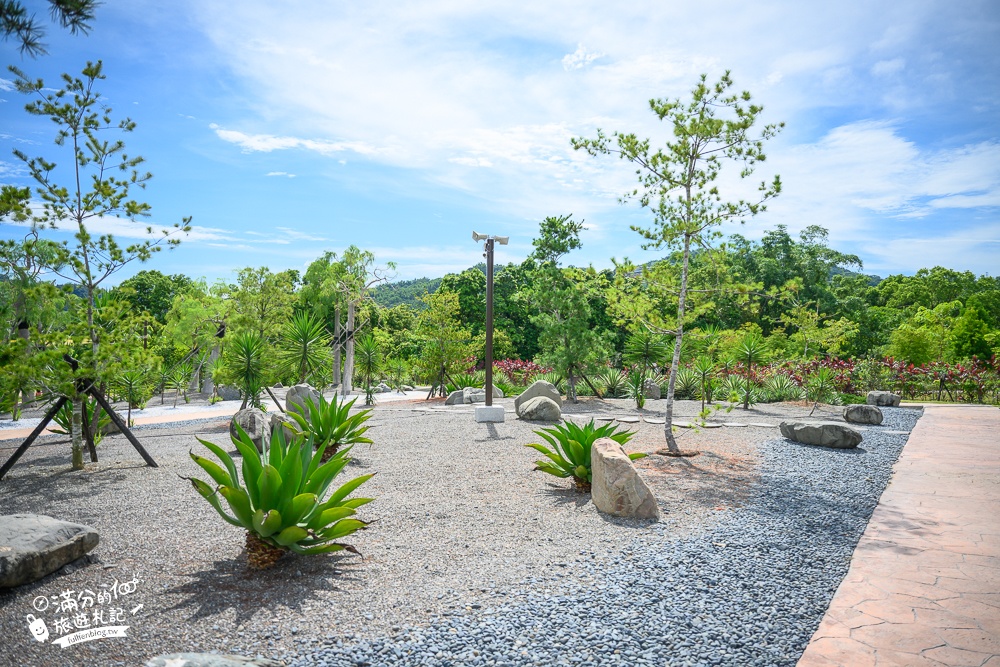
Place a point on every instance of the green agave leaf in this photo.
(576, 452)
(322, 520)
(223, 456)
(638, 455)
(208, 493)
(214, 470)
(355, 503)
(545, 466)
(266, 524)
(323, 549)
(239, 502)
(582, 472)
(302, 506)
(342, 528)
(270, 486)
(291, 535)
(347, 488)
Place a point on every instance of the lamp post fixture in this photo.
(489, 413)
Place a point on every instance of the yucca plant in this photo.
(134, 388)
(635, 385)
(330, 424)
(179, 378)
(368, 362)
(687, 383)
(704, 368)
(742, 390)
(243, 362)
(279, 500)
(646, 349)
(569, 450)
(304, 347)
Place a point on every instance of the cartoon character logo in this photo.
(38, 628)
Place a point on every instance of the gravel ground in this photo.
(473, 558)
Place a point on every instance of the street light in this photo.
(489, 413)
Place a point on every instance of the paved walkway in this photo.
(924, 584)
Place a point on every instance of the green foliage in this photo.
(780, 387)
(445, 343)
(64, 419)
(822, 388)
(569, 448)
(15, 22)
(740, 389)
(330, 424)
(153, 292)
(646, 349)
(611, 381)
(405, 292)
(704, 369)
(282, 496)
(304, 347)
(634, 387)
(368, 361)
(688, 384)
(243, 364)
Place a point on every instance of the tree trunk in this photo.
(336, 346)
(346, 385)
(571, 386)
(76, 432)
(675, 363)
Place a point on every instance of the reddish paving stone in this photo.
(929, 561)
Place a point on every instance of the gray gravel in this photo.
(750, 591)
(473, 558)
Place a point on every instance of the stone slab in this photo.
(490, 414)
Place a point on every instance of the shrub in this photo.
(687, 384)
(611, 381)
(569, 450)
(781, 387)
(64, 418)
(279, 501)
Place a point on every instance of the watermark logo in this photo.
(84, 616)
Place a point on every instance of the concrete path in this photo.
(924, 584)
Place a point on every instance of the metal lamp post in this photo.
(489, 413)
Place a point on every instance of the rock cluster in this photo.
(469, 395)
(34, 545)
(616, 487)
(822, 434)
(256, 425)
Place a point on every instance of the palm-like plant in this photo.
(179, 378)
(704, 368)
(635, 385)
(750, 351)
(645, 349)
(570, 447)
(821, 388)
(243, 362)
(304, 347)
(133, 385)
(330, 424)
(398, 373)
(740, 389)
(279, 500)
(368, 361)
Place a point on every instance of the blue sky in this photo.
(288, 129)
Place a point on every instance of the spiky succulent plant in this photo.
(280, 499)
(331, 424)
(571, 445)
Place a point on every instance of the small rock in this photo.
(617, 487)
(826, 434)
(862, 414)
(255, 423)
(539, 408)
(538, 388)
(883, 398)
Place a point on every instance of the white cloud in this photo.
(580, 58)
(888, 67)
(266, 143)
(280, 173)
(6, 84)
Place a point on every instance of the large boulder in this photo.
(539, 409)
(472, 395)
(296, 398)
(209, 660)
(538, 388)
(228, 392)
(823, 434)
(883, 398)
(33, 545)
(456, 397)
(862, 414)
(650, 389)
(616, 487)
(256, 425)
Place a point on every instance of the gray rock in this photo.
(473, 395)
(382, 388)
(456, 397)
(295, 399)
(33, 545)
(541, 409)
(497, 392)
(228, 392)
(823, 434)
(650, 389)
(616, 487)
(278, 385)
(883, 398)
(209, 660)
(276, 420)
(862, 414)
(539, 388)
(406, 387)
(255, 423)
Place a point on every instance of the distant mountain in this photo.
(405, 291)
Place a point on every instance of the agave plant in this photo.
(612, 381)
(330, 425)
(569, 450)
(742, 390)
(687, 383)
(781, 387)
(279, 500)
(64, 418)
